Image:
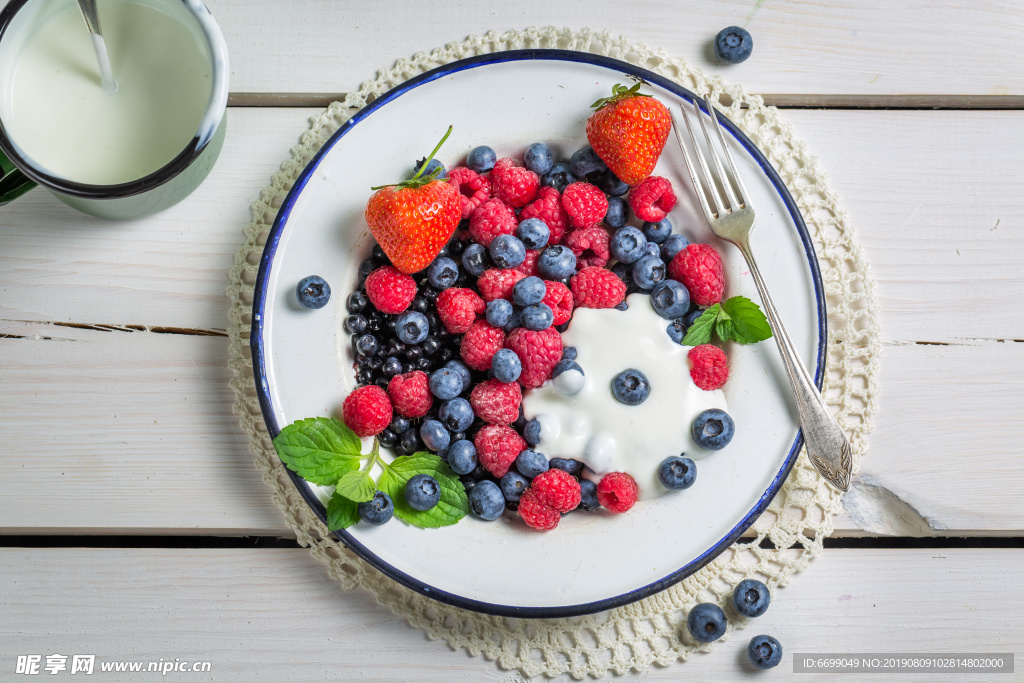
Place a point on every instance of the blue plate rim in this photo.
(259, 356)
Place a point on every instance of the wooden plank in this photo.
(837, 47)
(276, 615)
(132, 432)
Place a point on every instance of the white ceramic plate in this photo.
(304, 367)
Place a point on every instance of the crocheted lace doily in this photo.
(649, 631)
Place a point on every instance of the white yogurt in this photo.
(591, 426)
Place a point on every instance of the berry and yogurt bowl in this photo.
(522, 369)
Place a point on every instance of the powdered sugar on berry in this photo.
(610, 436)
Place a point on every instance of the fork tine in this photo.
(728, 155)
(709, 185)
(716, 157)
(697, 186)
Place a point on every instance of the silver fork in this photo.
(732, 219)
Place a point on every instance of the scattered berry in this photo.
(514, 185)
(507, 251)
(585, 161)
(486, 501)
(538, 158)
(462, 371)
(713, 429)
(677, 473)
(313, 292)
(559, 177)
(610, 184)
(631, 387)
(530, 463)
(498, 283)
(535, 514)
(652, 199)
(445, 383)
(458, 307)
(481, 159)
(442, 273)
(617, 491)
(533, 233)
(475, 259)
(706, 622)
(584, 204)
(595, 287)
(474, 189)
(765, 652)
(677, 329)
(556, 263)
(529, 291)
(538, 350)
(548, 208)
(389, 290)
(559, 299)
(670, 299)
(658, 231)
(649, 271)
(496, 402)
(513, 485)
(628, 245)
(733, 45)
(367, 410)
(672, 245)
(434, 435)
(412, 327)
(628, 131)
(557, 489)
(506, 366)
(462, 457)
(410, 394)
(751, 598)
(537, 317)
(699, 267)
(709, 367)
(429, 167)
(422, 492)
(377, 510)
(497, 447)
(479, 344)
(590, 245)
(588, 495)
(618, 212)
(499, 312)
(456, 414)
(492, 218)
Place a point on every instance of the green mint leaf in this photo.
(319, 449)
(747, 323)
(453, 505)
(357, 486)
(341, 512)
(700, 332)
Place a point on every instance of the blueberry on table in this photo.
(677, 473)
(486, 500)
(628, 245)
(530, 463)
(513, 485)
(733, 45)
(462, 457)
(481, 159)
(713, 429)
(412, 327)
(538, 158)
(313, 292)
(377, 510)
(431, 167)
(765, 652)
(670, 299)
(422, 492)
(631, 387)
(706, 622)
(751, 598)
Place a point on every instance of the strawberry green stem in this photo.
(417, 180)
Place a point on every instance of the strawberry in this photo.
(414, 219)
(628, 131)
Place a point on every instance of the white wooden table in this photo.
(134, 525)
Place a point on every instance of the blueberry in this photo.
(538, 158)
(628, 245)
(486, 501)
(431, 167)
(677, 473)
(446, 383)
(313, 292)
(631, 387)
(498, 312)
(412, 327)
(585, 161)
(648, 272)
(529, 291)
(569, 353)
(475, 260)
(399, 424)
(559, 177)
(481, 159)
(366, 345)
(658, 232)
(564, 365)
(357, 301)
(422, 492)
(677, 330)
(531, 432)
(618, 212)
(573, 467)
(507, 251)
(712, 429)
(356, 324)
(537, 317)
(588, 496)
(673, 245)
(391, 367)
(533, 233)
(462, 457)
(610, 184)
(513, 485)
(733, 45)
(751, 598)
(624, 272)
(765, 652)
(377, 510)
(506, 366)
(556, 262)
(456, 414)
(514, 321)
(706, 622)
(670, 299)
(462, 371)
(387, 438)
(434, 435)
(690, 318)
(622, 306)
(530, 463)
(442, 273)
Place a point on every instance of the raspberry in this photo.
(559, 299)
(617, 491)
(536, 514)
(497, 447)
(709, 367)
(548, 208)
(558, 489)
(410, 394)
(474, 189)
(367, 410)
(652, 199)
(480, 343)
(699, 267)
(389, 290)
(458, 308)
(498, 283)
(590, 246)
(495, 402)
(538, 351)
(595, 287)
(492, 218)
(514, 185)
(529, 265)
(585, 205)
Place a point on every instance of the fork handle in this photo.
(827, 445)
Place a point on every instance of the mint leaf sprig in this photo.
(324, 451)
(738, 319)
